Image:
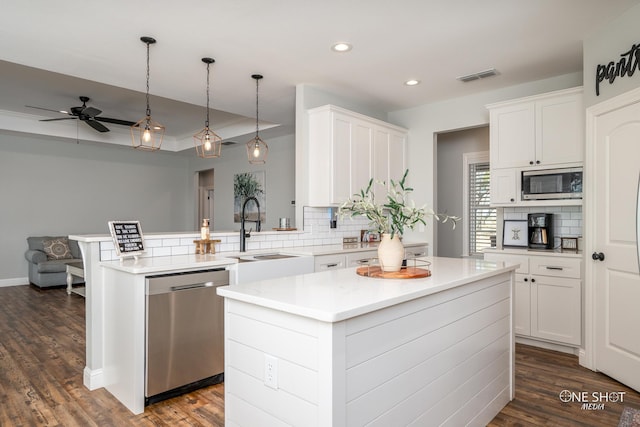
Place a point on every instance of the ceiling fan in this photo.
(89, 115)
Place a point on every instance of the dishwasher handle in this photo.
(191, 286)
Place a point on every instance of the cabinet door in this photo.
(522, 310)
(361, 156)
(512, 135)
(560, 126)
(381, 141)
(397, 147)
(504, 187)
(555, 309)
(340, 173)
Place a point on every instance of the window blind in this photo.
(482, 217)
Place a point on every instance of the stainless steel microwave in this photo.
(552, 184)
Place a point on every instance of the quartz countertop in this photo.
(165, 264)
(336, 295)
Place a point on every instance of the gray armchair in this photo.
(49, 269)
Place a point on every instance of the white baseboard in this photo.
(14, 282)
(93, 379)
(548, 345)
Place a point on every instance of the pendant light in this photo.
(147, 134)
(257, 149)
(208, 144)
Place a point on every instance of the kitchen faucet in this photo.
(244, 235)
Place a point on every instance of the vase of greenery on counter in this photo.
(391, 217)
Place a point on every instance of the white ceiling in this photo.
(53, 51)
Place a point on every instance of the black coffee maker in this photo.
(540, 230)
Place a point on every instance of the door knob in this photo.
(597, 256)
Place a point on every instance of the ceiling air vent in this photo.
(479, 75)
(229, 143)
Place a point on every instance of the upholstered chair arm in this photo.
(35, 256)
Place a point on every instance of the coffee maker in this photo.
(540, 227)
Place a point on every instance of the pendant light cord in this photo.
(206, 123)
(257, 121)
(148, 107)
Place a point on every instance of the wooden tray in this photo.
(404, 273)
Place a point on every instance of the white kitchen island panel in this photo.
(442, 357)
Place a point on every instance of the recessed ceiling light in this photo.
(341, 47)
(412, 82)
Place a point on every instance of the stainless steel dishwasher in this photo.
(184, 332)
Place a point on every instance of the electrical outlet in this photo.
(271, 371)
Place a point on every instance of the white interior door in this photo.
(616, 279)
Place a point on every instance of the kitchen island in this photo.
(337, 349)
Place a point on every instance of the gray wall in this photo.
(605, 45)
(279, 181)
(57, 187)
(450, 148)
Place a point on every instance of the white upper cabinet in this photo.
(538, 131)
(346, 150)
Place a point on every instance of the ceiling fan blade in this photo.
(91, 111)
(97, 125)
(115, 121)
(61, 118)
(46, 109)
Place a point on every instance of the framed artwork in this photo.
(249, 184)
(515, 233)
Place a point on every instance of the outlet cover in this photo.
(271, 371)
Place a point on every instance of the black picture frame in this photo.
(515, 233)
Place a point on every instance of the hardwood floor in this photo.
(42, 358)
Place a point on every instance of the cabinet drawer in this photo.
(556, 266)
(523, 260)
(329, 262)
(415, 252)
(356, 259)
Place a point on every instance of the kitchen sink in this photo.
(261, 266)
(272, 256)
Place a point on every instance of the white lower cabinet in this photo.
(356, 259)
(548, 297)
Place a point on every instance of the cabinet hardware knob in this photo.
(597, 256)
(512, 200)
(533, 280)
(537, 162)
(526, 280)
(531, 162)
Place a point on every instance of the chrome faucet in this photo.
(243, 234)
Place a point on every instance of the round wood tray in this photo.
(404, 273)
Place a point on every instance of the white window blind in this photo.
(482, 217)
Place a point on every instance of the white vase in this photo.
(390, 253)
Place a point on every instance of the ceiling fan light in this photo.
(147, 134)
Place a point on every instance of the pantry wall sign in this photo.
(628, 64)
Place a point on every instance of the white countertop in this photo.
(535, 252)
(336, 295)
(174, 263)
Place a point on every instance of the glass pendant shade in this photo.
(147, 134)
(257, 149)
(208, 143)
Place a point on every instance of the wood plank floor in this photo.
(42, 358)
